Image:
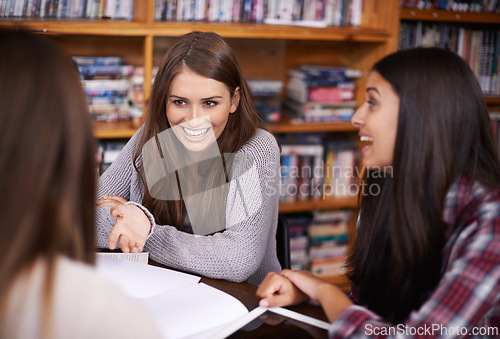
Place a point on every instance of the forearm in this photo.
(333, 300)
(221, 256)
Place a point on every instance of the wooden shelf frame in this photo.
(449, 16)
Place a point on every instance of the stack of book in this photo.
(321, 93)
(267, 98)
(106, 82)
(328, 234)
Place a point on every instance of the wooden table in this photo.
(274, 327)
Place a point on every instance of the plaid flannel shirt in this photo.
(466, 302)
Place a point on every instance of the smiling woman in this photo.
(377, 120)
(196, 186)
(426, 257)
(198, 108)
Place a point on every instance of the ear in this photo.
(235, 100)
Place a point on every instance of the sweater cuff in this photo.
(148, 214)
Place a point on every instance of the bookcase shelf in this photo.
(319, 204)
(492, 101)
(174, 29)
(449, 16)
(285, 126)
(114, 130)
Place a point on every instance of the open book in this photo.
(181, 306)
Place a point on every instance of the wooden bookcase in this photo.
(264, 51)
(470, 19)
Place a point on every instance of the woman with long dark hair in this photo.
(48, 288)
(197, 185)
(427, 252)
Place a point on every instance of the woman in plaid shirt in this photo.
(426, 261)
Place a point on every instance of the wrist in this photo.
(148, 215)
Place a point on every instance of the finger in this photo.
(117, 211)
(113, 237)
(269, 285)
(277, 300)
(124, 243)
(107, 202)
(117, 198)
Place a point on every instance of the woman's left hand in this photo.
(131, 228)
(277, 290)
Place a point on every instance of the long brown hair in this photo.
(208, 55)
(444, 131)
(47, 158)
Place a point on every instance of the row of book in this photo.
(318, 170)
(114, 90)
(479, 48)
(321, 93)
(317, 13)
(318, 241)
(68, 9)
(454, 5)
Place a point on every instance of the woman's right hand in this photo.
(131, 228)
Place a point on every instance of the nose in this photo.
(358, 118)
(196, 112)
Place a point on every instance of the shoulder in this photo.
(469, 200)
(262, 143)
(104, 307)
(84, 305)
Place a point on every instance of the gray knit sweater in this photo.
(245, 251)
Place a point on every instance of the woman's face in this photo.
(377, 120)
(198, 108)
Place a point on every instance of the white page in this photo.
(142, 281)
(193, 311)
(256, 312)
(137, 257)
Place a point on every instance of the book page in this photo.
(137, 257)
(142, 281)
(320, 327)
(194, 311)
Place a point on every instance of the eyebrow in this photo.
(372, 89)
(203, 99)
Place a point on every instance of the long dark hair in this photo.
(208, 55)
(444, 131)
(47, 157)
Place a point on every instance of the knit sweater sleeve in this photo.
(246, 250)
(119, 179)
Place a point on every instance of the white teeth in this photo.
(195, 132)
(365, 138)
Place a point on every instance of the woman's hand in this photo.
(131, 228)
(277, 290)
(292, 287)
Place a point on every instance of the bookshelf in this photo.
(264, 51)
(471, 20)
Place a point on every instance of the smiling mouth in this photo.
(195, 133)
(365, 138)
